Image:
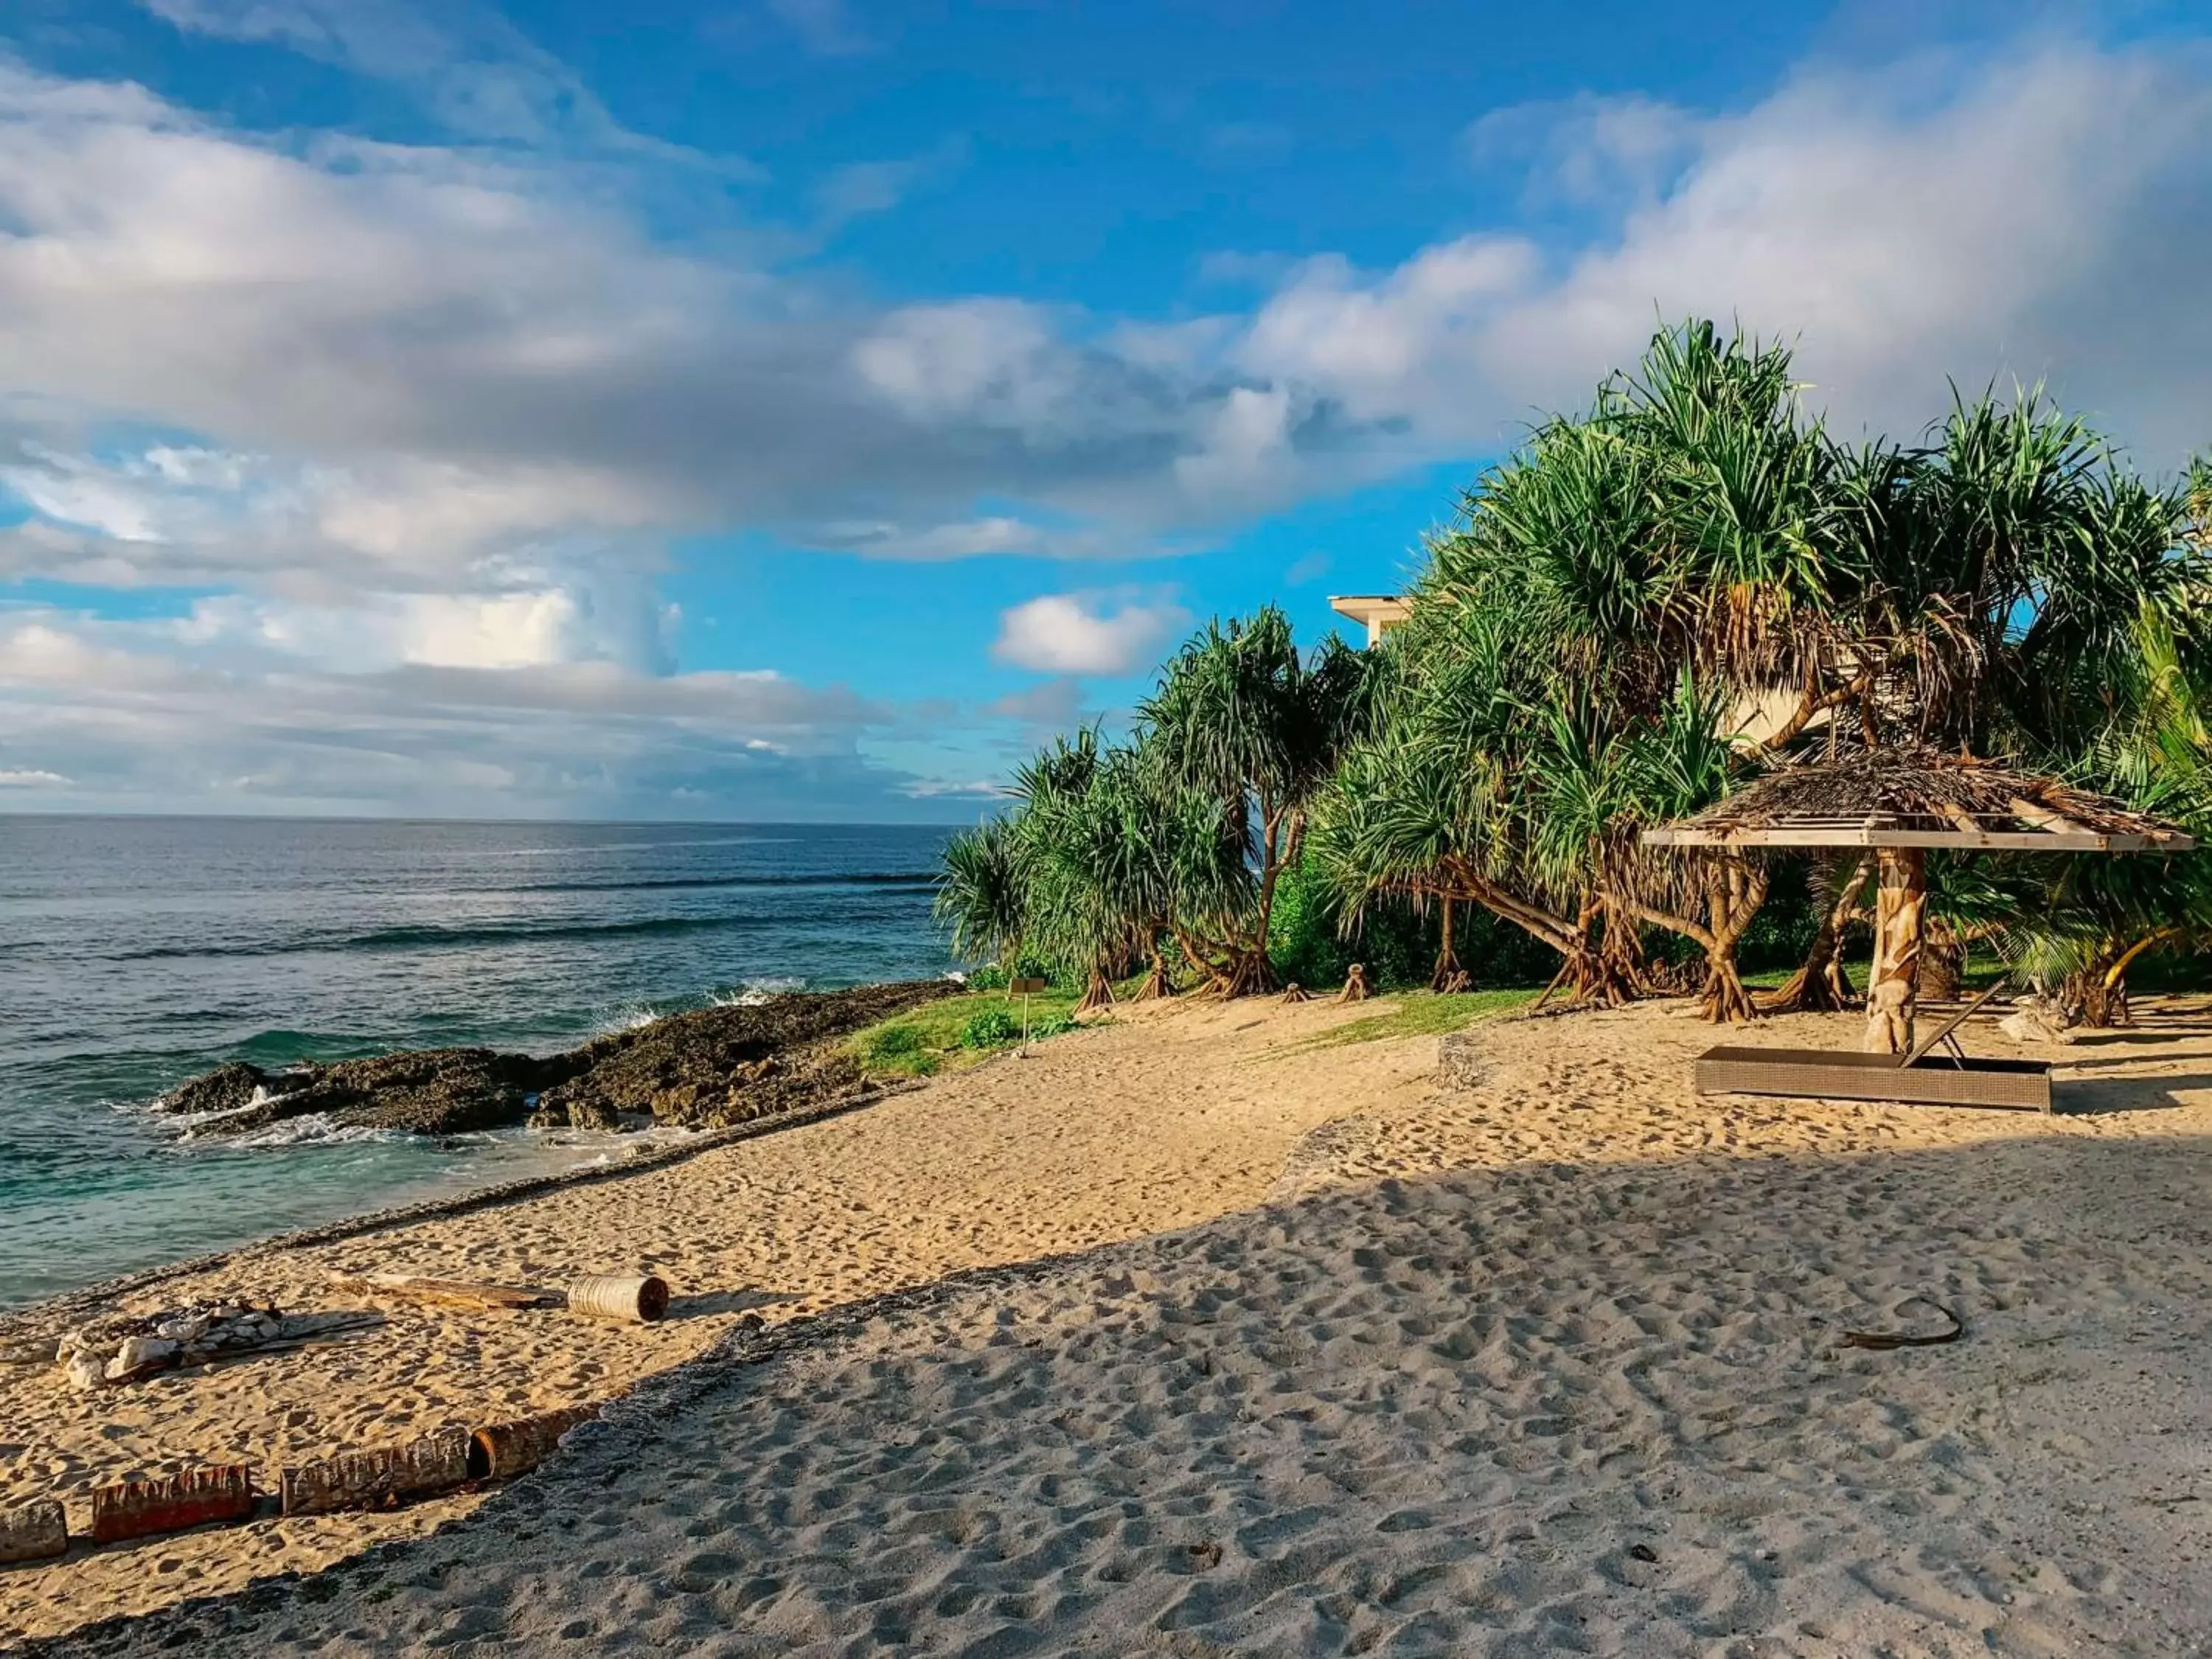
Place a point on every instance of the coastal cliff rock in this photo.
(704, 1069)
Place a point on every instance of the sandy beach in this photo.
(1188, 1334)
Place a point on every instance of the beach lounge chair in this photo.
(1920, 1077)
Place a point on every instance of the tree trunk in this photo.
(1733, 895)
(1623, 952)
(1449, 976)
(1942, 968)
(1096, 994)
(1156, 983)
(1821, 984)
(1252, 974)
(1900, 907)
(1734, 889)
(2099, 992)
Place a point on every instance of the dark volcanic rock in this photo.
(702, 1070)
(225, 1089)
(427, 1091)
(708, 1067)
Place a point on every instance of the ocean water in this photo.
(135, 952)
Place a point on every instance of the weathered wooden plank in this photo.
(140, 1508)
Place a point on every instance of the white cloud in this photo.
(1587, 150)
(427, 415)
(99, 714)
(1085, 634)
(2043, 214)
(475, 71)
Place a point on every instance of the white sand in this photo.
(1579, 1316)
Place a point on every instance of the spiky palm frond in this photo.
(981, 896)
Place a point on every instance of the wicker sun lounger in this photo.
(1918, 1078)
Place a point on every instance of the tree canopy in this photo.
(1643, 606)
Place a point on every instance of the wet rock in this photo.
(716, 1066)
(425, 1091)
(707, 1068)
(225, 1089)
(593, 1114)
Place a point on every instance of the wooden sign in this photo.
(1027, 988)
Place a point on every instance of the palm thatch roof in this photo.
(1919, 798)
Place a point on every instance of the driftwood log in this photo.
(380, 1478)
(638, 1301)
(140, 1508)
(499, 1451)
(33, 1531)
(444, 1292)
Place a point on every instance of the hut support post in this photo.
(1899, 928)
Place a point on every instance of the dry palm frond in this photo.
(1919, 789)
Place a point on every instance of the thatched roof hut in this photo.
(1920, 798)
(1901, 803)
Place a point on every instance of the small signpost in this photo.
(1025, 988)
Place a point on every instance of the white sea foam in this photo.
(314, 1128)
(755, 991)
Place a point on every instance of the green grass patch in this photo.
(936, 1036)
(1418, 1013)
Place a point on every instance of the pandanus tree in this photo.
(2089, 923)
(1641, 610)
(979, 896)
(1102, 859)
(1669, 538)
(1243, 717)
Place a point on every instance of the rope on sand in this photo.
(1881, 1341)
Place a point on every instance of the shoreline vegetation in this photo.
(1686, 599)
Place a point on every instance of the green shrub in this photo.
(894, 1042)
(993, 1028)
(1397, 942)
(993, 976)
(1052, 1027)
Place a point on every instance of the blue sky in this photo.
(798, 408)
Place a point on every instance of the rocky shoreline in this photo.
(709, 1068)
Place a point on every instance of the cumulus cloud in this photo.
(427, 416)
(1085, 632)
(2047, 215)
(145, 711)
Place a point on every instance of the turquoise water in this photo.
(135, 952)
